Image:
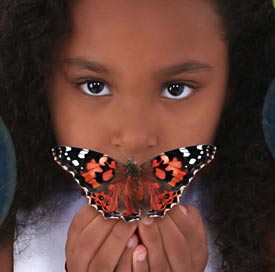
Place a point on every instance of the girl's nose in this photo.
(134, 131)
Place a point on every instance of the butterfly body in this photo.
(119, 190)
(133, 169)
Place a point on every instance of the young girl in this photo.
(133, 79)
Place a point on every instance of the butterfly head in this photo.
(133, 168)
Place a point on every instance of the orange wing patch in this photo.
(90, 175)
(88, 178)
(175, 166)
(107, 175)
(160, 173)
(93, 167)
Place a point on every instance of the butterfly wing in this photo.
(100, 177)
(116, 194)
(166, 176)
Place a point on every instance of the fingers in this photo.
(150, 235)
(194, 220)
(134, 257)
(115, 244)
(189, 222)
(175, 245)
(176, 242)
(125, 261)
(95, 242)
(140, 261)
(84, 240)
(81, 219)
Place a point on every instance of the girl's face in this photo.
(135, 78)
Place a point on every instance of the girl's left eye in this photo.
(177, 91)
(94, 88)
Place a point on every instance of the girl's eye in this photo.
(177, 91)
(94, 88)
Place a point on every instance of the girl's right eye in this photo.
(94, 88)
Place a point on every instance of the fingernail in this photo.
(141, 257)
(146, 220)
(183, 209)
(132, 242)
(140, 253)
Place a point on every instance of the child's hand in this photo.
(176, 242)
(94, 242)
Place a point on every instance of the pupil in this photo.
(176, 89)
(95, 87)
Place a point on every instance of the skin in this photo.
(135, 115)
(6, 257)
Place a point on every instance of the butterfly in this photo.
(125, 190)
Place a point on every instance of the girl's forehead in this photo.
(153, 17)
(131, 29)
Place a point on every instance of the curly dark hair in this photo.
(241, 183)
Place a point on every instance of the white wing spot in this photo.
(75, 162)
(199, 147)
(82, 153)
(199, 157)
(66, 154)
(192, 161)
(68, 148)
(185, 152)
(68, 158)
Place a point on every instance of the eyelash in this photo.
(180, 83)
(164, 86)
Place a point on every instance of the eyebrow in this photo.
(87, 65)
(190, 66)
